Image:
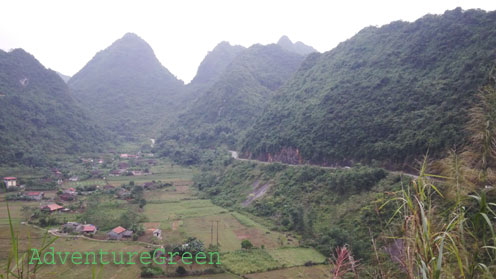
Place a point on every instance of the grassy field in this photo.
(295, 256)
(250, 261)
(180, 214)
(300, 272)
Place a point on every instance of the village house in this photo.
(157, 233)
(123, 165)
(57, 173)
(74, 179)
(74, 227)
(139, 173)
(116, 172)
(34, 196)
(10, 182)
(53, 207)
(69, 194)
(67, 197)
(87, 229)
(70, 191)
(118, 233)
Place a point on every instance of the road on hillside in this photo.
(235, 155)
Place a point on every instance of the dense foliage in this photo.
(387, 94)
(126, 88)
(235, 101)
(38, 116)
(328, 208)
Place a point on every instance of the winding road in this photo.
(235, 155)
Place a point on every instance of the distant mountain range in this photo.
(385, 96)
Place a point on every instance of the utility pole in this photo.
(217, 234)
(212, 233)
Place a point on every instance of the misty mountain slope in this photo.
(387, 94)
(215, 63)
(126, 88)
(297, 47)
(236, 100)
(39, 117)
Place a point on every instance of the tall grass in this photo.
(444, 238)
(18, 261)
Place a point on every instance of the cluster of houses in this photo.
(73, 227)
(118, 233)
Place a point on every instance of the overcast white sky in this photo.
(64, 35)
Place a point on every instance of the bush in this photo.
(151, 271)
(181, 270)
(246, 244)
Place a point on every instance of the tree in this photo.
(246, 244)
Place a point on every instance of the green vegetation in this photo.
(125, 87)
(327, 207)
(232, 103)
(296, 256)
(107, 213)
(388, 94)
(39, 118)
(249, 261)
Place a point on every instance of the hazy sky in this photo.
(64, 35)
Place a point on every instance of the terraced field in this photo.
(180, 214)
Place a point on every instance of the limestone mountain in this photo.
(39, 117)
(126, 88)
(386, 95)
(64, 77)
(235, 100)
(297, 47)
(215, 63)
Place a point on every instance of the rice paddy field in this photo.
(180, 214)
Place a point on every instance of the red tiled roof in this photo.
(54, 207)
(33, 193)
(72, 189)
(119, 230)
(9, 178)
(89, 228)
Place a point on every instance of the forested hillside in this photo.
(328, 208)
(388, 94)
(126, 88)
(215, 63)
(38, 116)
(233, 102)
